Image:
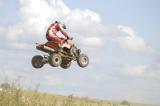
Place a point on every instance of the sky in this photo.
(121, 39)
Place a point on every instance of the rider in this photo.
(55, 27)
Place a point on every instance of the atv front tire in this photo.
(37, 61)
(83, 60)
(55, 60)
(73, 51)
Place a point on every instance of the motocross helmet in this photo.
(62, 25)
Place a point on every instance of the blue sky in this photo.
(120, 37)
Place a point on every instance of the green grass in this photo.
(11, 95)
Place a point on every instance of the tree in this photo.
(125, 102)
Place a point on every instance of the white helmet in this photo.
(62, 25)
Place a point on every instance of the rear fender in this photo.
(52, 45)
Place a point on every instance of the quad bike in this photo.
(59, 56)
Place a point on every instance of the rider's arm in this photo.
(64, 33)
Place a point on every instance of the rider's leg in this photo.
(50, 37)
(54, 38)
(58, 40)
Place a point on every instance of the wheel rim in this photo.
(37, 62)
(55, 60)
(84, 60)
(73, 50)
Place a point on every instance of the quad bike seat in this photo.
(52, 44)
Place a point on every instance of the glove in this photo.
(68, 37)
(71, 38)
(62, 38)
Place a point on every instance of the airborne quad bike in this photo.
(59, 56)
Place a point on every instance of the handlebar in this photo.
(70, 38)
(67, 39)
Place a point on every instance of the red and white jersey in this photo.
(54, 28)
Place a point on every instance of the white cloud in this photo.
(127, 38)
(2, 31)
(1, 2)
(80, 19)
(127, 30)
(150, 71)
(22, 46)
(134, 70)
(93, 41)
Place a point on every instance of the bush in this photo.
(124, 102)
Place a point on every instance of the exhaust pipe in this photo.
(48, 48)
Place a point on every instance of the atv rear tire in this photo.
(55, 60)
(37, 61)
(83, 60)
(65, 65)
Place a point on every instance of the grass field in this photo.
(11, 95)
